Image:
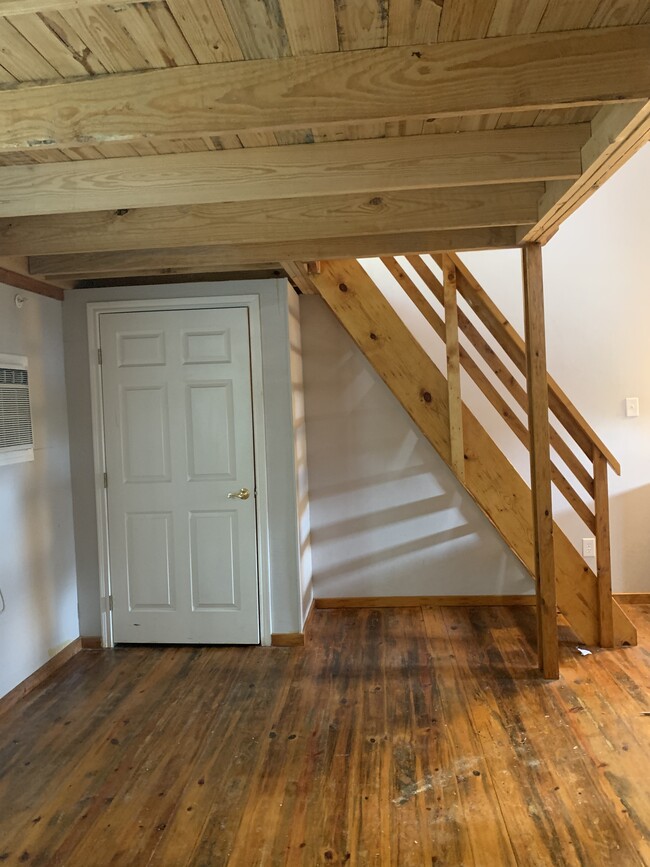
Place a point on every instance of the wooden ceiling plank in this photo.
(472, 77)
(207, 29)
(49, 45)
(311, 27)
(620, 12)
(513, 16)
(235, 255)
(465, 19)
(159, 40)
(273, 220)
(259, 28)
(617, 133)
(361, 23)
(568, 15)
(101, 31)
(294, 171)
(413, 21)
(63, 31)
(20, 58)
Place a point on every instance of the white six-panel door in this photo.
(179, 440)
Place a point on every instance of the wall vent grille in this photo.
(16, 439)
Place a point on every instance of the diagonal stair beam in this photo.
(490, 478)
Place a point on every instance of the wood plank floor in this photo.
(395, 737)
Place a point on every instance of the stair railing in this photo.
(457, 279)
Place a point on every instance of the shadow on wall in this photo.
(387, 516)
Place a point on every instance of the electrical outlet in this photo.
(632, 407)
(589, 547)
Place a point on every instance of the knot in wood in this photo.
(426, 396)
(373, 336)
(343, 287)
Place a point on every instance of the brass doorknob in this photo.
(242, 494)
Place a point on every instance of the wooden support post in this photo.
(603, 555)
(453, 369)
(540, 461)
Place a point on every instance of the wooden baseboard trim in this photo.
(632, 598)
(417, 601)
(287, 639)
(39, 676)
(91, 642)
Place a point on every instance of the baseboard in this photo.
(416, 601)
(91, 642)
(39, 676)
(287, 639)
(632, 598)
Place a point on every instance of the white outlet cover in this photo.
(589, 547)
(632, 407)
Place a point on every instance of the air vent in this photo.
(16, 441)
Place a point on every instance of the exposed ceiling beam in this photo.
(278, 220)
(233, 256)
(618, 131)
(240, 175)
(508, 73)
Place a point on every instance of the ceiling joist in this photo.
(502, 74)
(295, 171)
(209, 258)
(279, 220)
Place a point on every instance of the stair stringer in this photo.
(490, 479)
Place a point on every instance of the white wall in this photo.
(283, 546)
(37, 567)
(303, 516)
(387, 515)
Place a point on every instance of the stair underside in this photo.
(490, 478)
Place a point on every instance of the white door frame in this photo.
(250, 302)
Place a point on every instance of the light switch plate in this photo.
(632, 407)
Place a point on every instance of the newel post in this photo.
(540, 461)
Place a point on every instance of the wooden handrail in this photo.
(559, 404)
(487, 389)
(502, 373)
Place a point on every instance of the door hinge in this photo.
(110, 602)
(99, 355)
(105, 480)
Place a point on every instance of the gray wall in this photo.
(285, 582)
(37, 566)
(387, 516)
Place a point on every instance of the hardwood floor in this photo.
(395, 737)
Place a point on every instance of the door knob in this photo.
(242, 494)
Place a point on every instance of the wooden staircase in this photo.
(433, 400)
